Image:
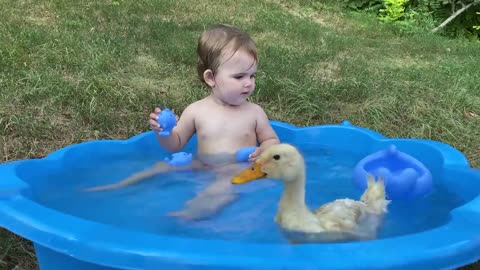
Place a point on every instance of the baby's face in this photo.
(235, 78)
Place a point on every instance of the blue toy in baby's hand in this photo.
(180, 159)
(243, 154)
(405, 177)
(167, 120)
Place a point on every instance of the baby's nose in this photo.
(248, 82)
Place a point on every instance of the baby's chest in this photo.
(221, 127)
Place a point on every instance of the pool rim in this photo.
(102, 244)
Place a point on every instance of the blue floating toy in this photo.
(167, 120)
(180, 159)
(243, 154)
(405, 177)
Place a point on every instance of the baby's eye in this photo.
(238, 77)
(253, 76)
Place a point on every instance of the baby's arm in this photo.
(180, 134)
(266, 136)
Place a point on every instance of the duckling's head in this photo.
(279, 161)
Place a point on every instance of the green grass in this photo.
(72, 71)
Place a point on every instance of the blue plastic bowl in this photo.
(63, 241)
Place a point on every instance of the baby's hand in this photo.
(153, 121)
(253, 156)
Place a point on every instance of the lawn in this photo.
(73, 71)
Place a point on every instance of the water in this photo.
(144, 206)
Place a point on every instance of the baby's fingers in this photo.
(153, 116)
(253, 156)
(154, 125)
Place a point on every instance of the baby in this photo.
(224, 121)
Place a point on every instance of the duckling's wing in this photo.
(340, 215)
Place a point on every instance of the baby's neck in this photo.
(217, 101)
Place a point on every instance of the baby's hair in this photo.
(218, 40)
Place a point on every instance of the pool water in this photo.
(144, 206)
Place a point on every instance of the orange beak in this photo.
(250, 174)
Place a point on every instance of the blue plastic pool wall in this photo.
(51, 260)
(336, 136)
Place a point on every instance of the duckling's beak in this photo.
(250, 174)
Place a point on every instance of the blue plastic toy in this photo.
(243, 154)
(167, 120)
(180, 159)
(405, 177)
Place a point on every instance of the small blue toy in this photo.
(243, 154)
(167, 120)
(180, 159)
(183, 158)
(405, 177)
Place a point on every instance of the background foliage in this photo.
(419, 15)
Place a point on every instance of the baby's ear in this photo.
(209, 78)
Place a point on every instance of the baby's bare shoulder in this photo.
(197, 104)
(255, 108)
(252, 106)
(196, 107)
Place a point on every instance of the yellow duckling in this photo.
(345, 218)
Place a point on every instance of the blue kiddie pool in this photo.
(42, 200)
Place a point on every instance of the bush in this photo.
(410, 15)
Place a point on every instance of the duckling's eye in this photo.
(276, 157)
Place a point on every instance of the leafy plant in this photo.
(394, 10)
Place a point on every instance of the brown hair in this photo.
(216, 41)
